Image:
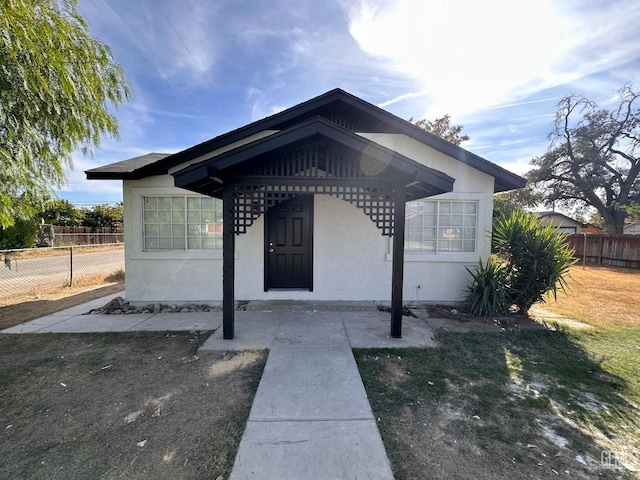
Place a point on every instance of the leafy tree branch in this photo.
(56, 85)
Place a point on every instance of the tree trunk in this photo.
(615, 222)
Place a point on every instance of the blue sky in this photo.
(199, 68)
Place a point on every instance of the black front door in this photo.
(289, 244)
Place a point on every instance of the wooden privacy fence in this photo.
(602, 249)
(86, 235)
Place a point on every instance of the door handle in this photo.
(271, 250)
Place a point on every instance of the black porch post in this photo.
(398, 261)
(228, 264)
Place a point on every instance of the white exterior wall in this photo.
(171, 276)
(632, 229)
(442, 277)
(351, 258)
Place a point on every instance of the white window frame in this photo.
(134, 225)
(483, 229)
(438, 226)
(191, 235)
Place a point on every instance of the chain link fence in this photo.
(35, 270)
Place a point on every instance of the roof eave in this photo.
(194, 176)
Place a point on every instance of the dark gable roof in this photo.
(422, 181)
(352, 112)
(124, 168)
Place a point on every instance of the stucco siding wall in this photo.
(191, 276)
(352, 260)
(348, 257)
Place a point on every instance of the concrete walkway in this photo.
(74, 320)
(311, 418)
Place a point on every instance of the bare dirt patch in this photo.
(110, 406)
(26, 307)
(232, 362)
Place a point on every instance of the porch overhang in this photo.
(385, 166)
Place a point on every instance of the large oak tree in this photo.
(594, 157)
(442, 128)
(57, 83)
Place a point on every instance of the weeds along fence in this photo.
(602, 249)
(36, 270)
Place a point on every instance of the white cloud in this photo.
(470, 55)
(400, 98)
(173, 40)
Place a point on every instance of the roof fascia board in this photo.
(309, 128)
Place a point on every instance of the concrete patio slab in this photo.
(302, 383)
(86, 307)
(179, 321)
(36, 325)
(253, 331)
(372, 330)
(96, 323)
(311, 329)
(364, 329)
(312, 451)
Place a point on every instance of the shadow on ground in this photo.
(515, 404)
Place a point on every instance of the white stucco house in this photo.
(306, 205)
(561, 222)
(632, 228)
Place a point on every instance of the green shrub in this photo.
(22, 234)
(536, 256)
(533, 260)
(487, 294)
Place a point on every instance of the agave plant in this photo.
(487, 293)
(537, 258)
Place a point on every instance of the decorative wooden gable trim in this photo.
(315, 157)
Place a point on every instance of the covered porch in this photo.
(315, 157)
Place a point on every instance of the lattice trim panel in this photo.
(249, 202)
(317, 159)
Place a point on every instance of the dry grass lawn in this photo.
(558, 402)
(600, 296)
(113, 406)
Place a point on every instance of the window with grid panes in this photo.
(182, 223)
(441, 226)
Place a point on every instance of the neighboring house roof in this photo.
(632, 228)
(351, 112)
(558, 219)
(566, 223)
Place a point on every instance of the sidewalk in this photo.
(74, 320)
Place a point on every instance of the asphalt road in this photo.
(28, 275)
